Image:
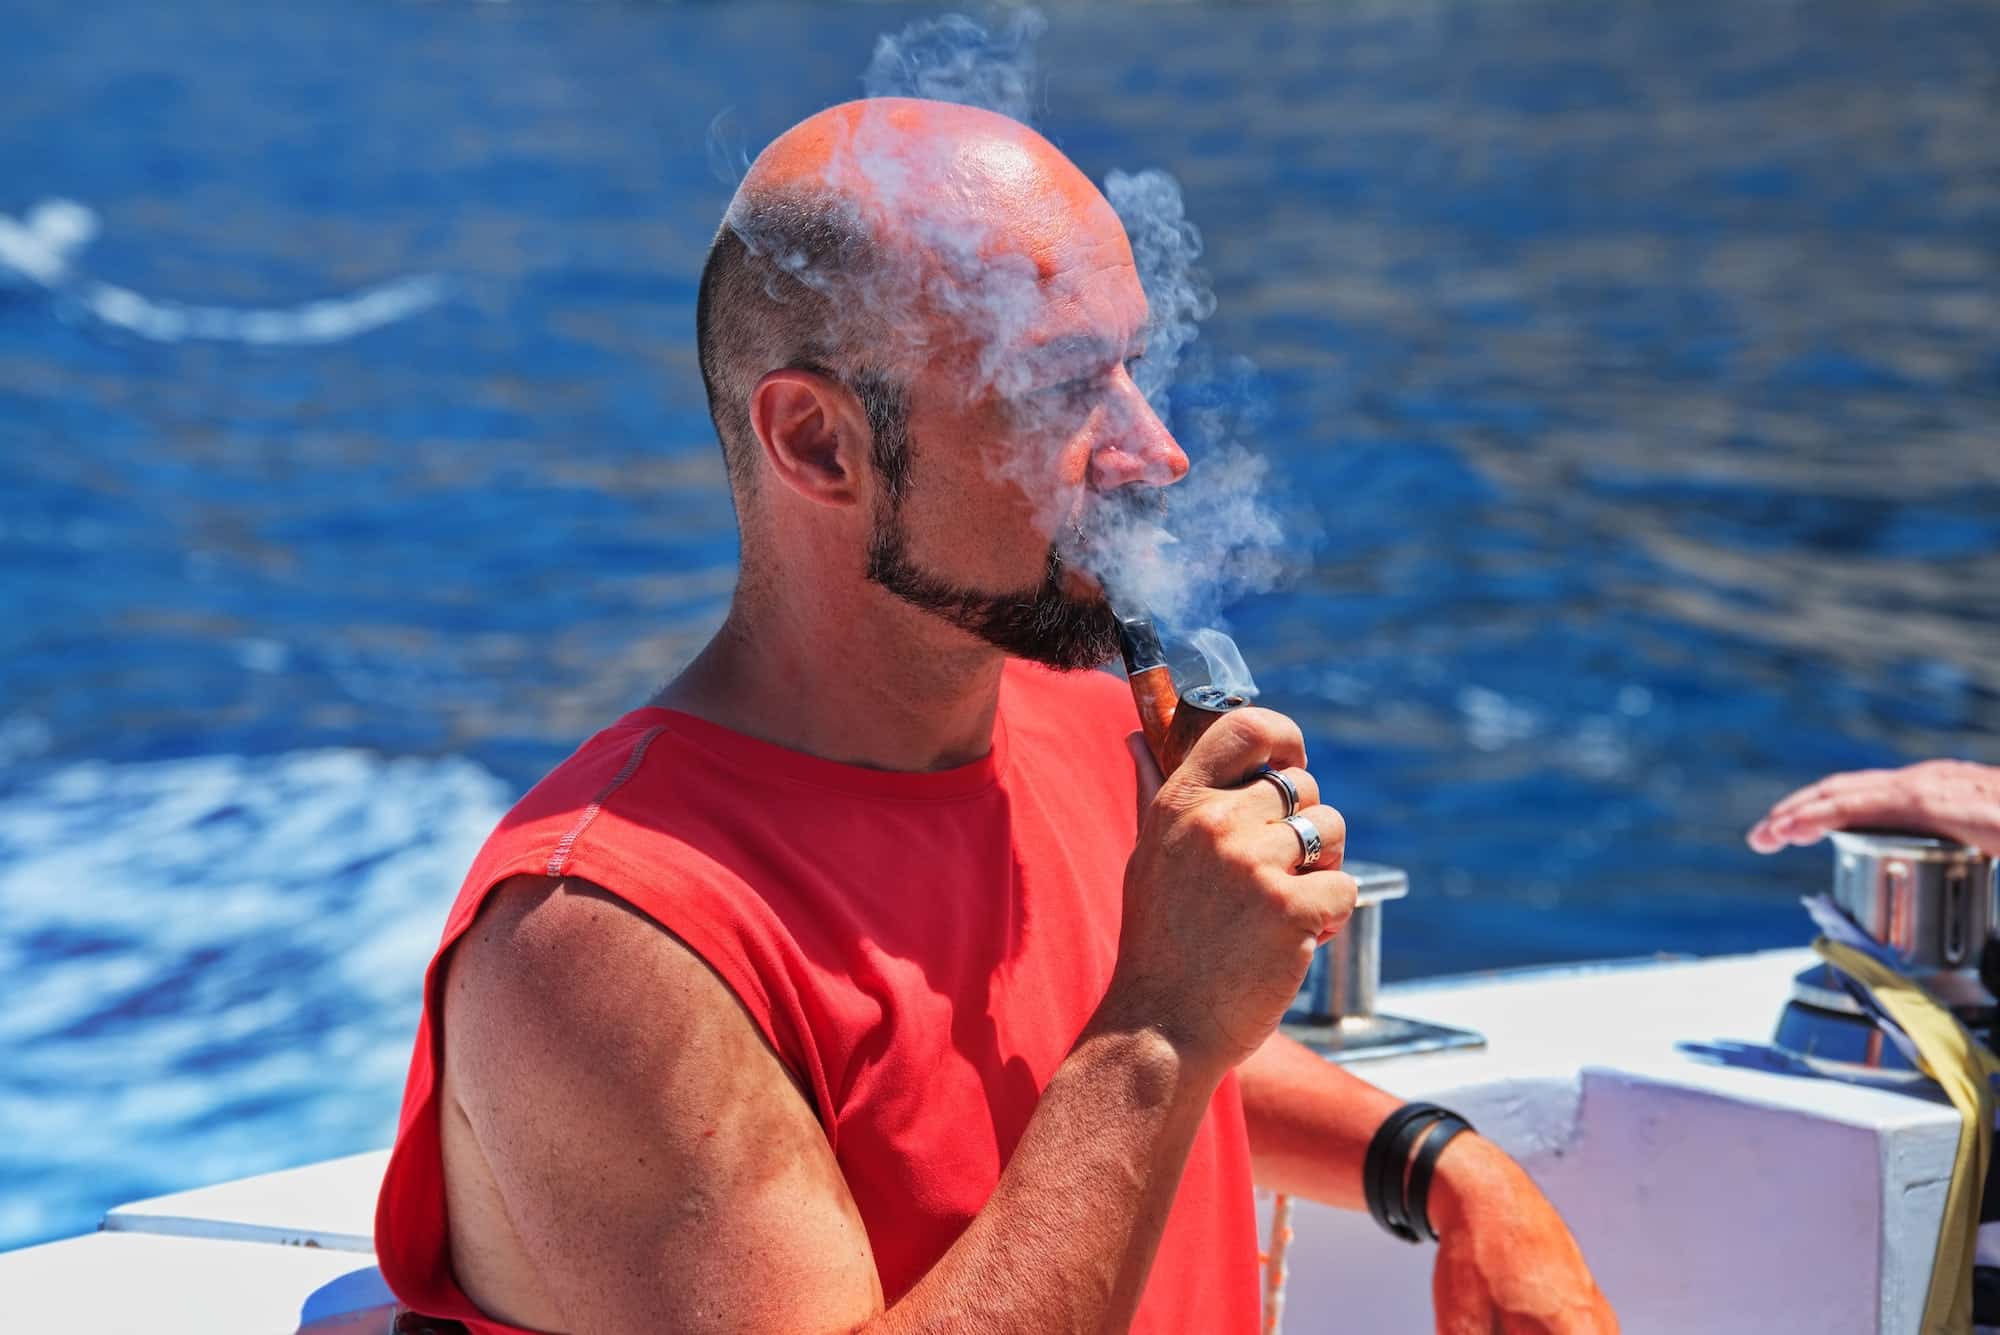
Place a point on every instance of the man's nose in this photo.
(1135, 446)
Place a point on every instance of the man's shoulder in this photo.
(534, 932)
(604, 761)
(616, 810)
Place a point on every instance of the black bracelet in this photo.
(1398, 1191)
(1419, 1190)
(1382, 1171)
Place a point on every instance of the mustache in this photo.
(1098, 538)
(1135, 502)
(1110, 516)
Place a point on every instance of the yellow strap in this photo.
(1958, 1062)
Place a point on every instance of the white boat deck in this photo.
(329, 1205)
(134, 1283)
(1709, 1197)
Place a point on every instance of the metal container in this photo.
(1929, 900)
(1347, 970)
(1334, 1013)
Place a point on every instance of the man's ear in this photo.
(814, 433)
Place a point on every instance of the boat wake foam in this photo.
(214, 965)
(38, 251)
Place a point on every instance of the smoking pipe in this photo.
(1173, 720)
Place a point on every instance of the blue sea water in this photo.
(1637, 368)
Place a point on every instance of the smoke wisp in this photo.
(1216, 539)
(954, 59)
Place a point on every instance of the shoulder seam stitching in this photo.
(559, 856)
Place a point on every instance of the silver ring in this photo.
(1284, 785)
(1308, 834)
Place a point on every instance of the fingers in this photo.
(1287, 848)
(1241, 743)
(1264, 787)
(1762, 838)
(1228, 757)
(1330, 900)
(1322, 897)
(1867, 785)
(1839, 801)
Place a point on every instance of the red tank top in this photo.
(920, 950)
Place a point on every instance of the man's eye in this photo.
(1074, 391)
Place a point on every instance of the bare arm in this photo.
(662, 1172)
(1505, 1258)
(1954, 798)
(665, 1174)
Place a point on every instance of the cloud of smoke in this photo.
(953, 59)
(1218, 539)
(1166, 247)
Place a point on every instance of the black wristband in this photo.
(1384, 1169)
(1398, 1189)
(1418, 1193)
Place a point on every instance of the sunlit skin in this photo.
(572, 1126)
(989, 496)
(1954, 798)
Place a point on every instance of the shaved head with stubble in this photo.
(972, 294)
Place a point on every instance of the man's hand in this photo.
(1506, 1262)
(1953, 798)
(1219, 926)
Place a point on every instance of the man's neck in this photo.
(866, 684)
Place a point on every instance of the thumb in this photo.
(1146, 767)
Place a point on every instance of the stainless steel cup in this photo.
(1929, 900)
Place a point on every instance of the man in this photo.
(807, 998)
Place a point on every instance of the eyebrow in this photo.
(1077, 353)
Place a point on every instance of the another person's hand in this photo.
(1953, 798)
(1219, 923)
(1506, 1261)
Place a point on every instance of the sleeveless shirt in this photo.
(920, 950)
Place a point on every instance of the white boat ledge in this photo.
(1708, 1195)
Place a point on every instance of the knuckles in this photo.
(1253, 732)
(1209, 822)
(1332, 827)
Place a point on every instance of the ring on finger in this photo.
(1284, 786)
(1309, 844)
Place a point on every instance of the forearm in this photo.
(1310, 1121)
(1066, 1239)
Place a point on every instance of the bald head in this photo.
(934, 180)
(883, 236)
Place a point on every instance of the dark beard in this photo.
(1044, 624)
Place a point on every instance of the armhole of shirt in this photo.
(735, 934)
